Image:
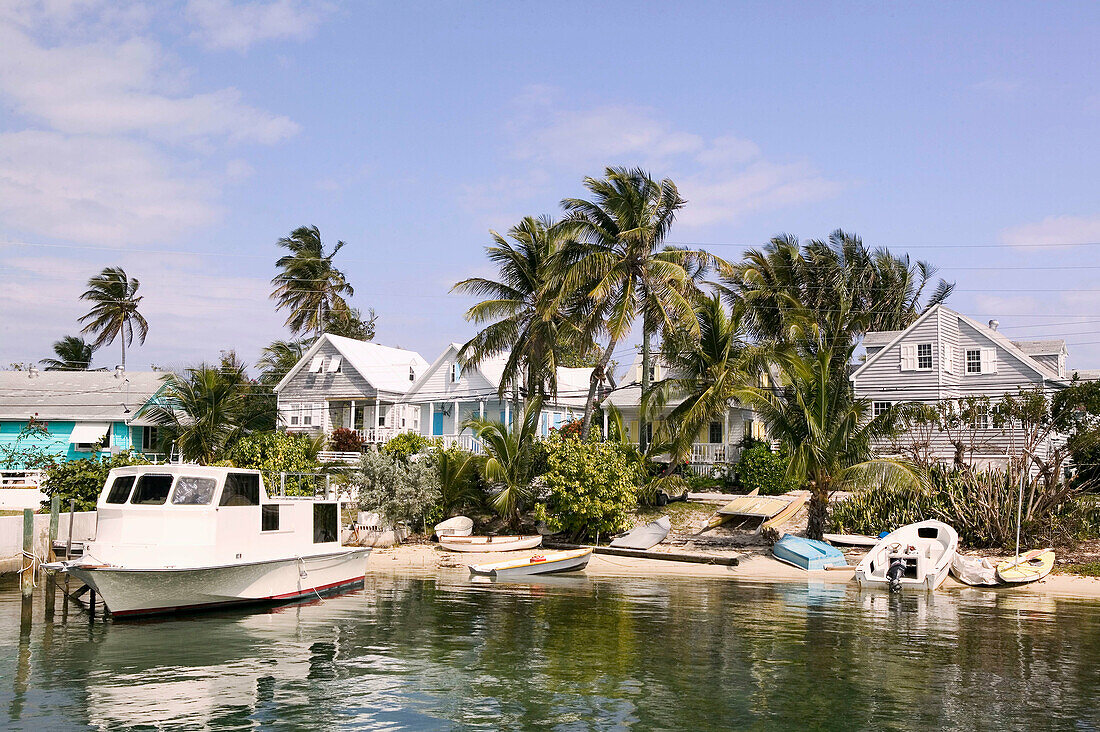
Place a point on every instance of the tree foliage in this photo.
(761, 469)
(114, 312)
(400, 490)
(308, 285)
(82, 480)
(73, 354)
(275, 452)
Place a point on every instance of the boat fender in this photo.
(894, 574)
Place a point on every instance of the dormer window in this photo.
(412, 374)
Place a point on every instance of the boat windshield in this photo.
(241, 489)
(151, 489)
(120, 489)
(192, 491)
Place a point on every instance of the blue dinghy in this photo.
(807, 553)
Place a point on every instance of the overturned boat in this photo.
(808, 554)
(174, 538)
(645, 536)
(917, 555)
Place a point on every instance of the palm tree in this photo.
(509, 468)
(73, 354)
(827, 433)
(704, 374)
(279, 357)
(523, 308)
(620, 269)
(885, 292)
(115, 312)
(205, 412)
(308, 285)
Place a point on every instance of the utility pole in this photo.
(643, 437)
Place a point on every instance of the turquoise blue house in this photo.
(77, 414)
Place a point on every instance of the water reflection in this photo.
(432, 653)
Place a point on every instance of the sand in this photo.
(755, 566)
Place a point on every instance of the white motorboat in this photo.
(457, 526)
(918, 555)
(645, 536)
(489, 543)
(185, 537)
(553, 563)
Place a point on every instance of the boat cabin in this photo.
(185, 516)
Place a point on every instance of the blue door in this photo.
(437, 423)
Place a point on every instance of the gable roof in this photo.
(982, 330)
(1042, 348)
(383, 367)
(76, 395)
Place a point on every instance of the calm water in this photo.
(565, 654)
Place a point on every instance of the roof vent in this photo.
(32, 372)
(993, 324)
(119, 371)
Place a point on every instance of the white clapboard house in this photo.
(947, 356)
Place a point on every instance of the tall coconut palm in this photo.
(73, 354)
(827, 434)
(308, 285)
(509, 467)
(524, 307)
(704, 374)
(114, 312)
(885, 292)
(619, 266)
(205, 412)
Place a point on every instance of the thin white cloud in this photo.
(98, 189)
(1054, 231)
(122, 88)
(225, 25)
(723, 178)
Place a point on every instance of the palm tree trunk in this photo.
(593, 384)
(643, 437)
(122, 337)
(817, 510)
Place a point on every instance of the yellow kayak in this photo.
(1029, 567)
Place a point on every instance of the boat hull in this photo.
(645, 537)
(933, 545)
(570, 561)
(135, 591)
(808, 554)
(1030, 567)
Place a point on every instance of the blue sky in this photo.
(180, 140)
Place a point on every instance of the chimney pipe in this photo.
(993, 324)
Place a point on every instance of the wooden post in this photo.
(55, 509)
(26, 577)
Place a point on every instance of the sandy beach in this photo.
(755, 566)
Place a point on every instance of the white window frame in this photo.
(456, 372)
(878, 408)
(931, 361)
(977, 352)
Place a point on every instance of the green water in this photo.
(419, 653)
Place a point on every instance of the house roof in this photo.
(76, 395)
(384, 367)
(880, 337)
(1041, 348)
(982, 330)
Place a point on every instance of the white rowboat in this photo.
(644, 537)
(553, 563)
(489, 543)
(917, 556)
(457, 526)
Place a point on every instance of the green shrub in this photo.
(399, 489)
(344, 440)
(407, 444)
(981, 506)
(591, 487)
(82, 480)
(760, 468)
(460, 482)
(277, 452)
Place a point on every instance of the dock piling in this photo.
(26, 575)
(55, 518)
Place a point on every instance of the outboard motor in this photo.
(894, 573)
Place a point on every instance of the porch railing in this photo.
(21, 478)
(381, 435)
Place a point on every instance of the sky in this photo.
(182, 140)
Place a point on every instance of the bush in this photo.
(407, 444)
(981, 506)
(460, 482)
(82, 480)
(277, 452)
(760, 468)
(591, 487)
(344, 440)
(398, 489)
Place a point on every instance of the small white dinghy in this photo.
(917, 556)
(554, 563)
(457, 526)
(489, 543)
(644, 537)
(974, 571)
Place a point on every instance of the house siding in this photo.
(57, 444)
(306, 387)
(884, 380)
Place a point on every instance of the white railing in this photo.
(21, 478)
(466, 442)
(381, 435)
(334, 456)
(711, 453)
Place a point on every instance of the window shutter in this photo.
(318, 414)
(908, 357)
(315, 364)
(334, 364)
(948, 357)
(989, 360)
